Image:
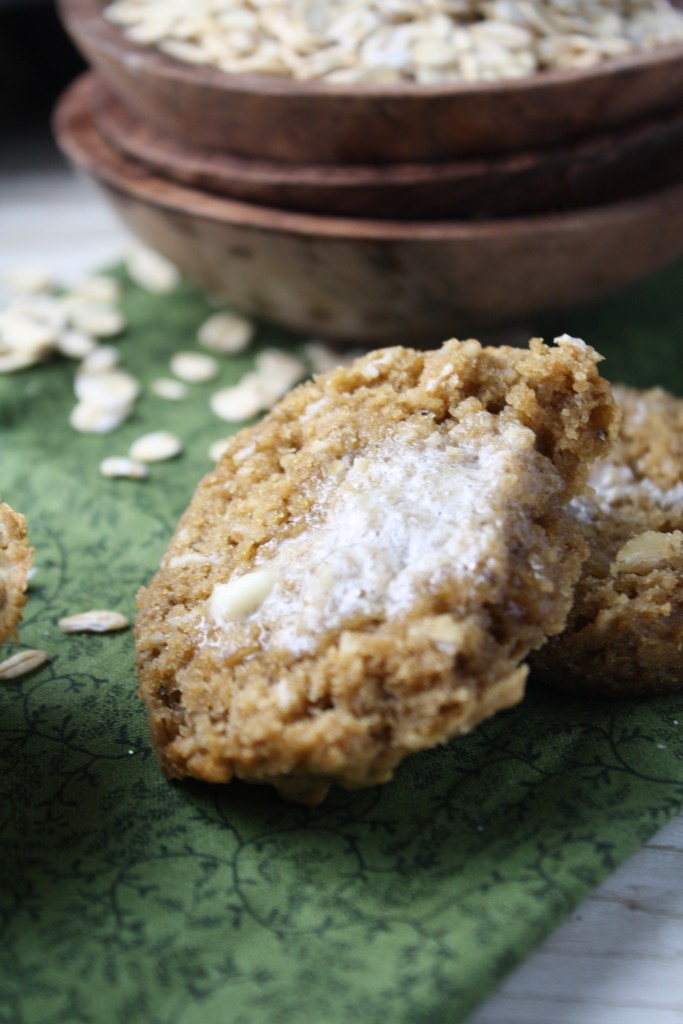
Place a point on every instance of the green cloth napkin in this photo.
(127, 898)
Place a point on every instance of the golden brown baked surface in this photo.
(625, 632)
(15, 562)
(366, 569)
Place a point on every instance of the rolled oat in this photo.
(98, 620)
(97, 320)
(94, 419)
(21, 664)
(157, 446)
(226, 332)
(166, 387)
(217, 449)
(75, 344)
(122, 467)
(108, 389)
(194, 367)
(151, 271)
(427, 41)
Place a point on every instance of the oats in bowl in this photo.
(347, 41)
(382, 83)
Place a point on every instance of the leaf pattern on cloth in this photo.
(127, 898)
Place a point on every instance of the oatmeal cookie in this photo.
(366, 569)
(15, 562)
(624, 635)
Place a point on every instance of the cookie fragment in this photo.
(15, 562)
(364, 572)
(624, 636)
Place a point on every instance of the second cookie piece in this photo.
(624, 636)
(15, 563)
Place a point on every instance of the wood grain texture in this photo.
(604, 168)
(279, 119)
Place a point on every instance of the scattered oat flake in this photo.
(157, 446)
(47, 310)
(152, 271)
(120, 466)
(95, 621)
(218, 448)
(22, 663)
(97, 288)
(75, 344)
(100, 358)
(278, 370)
(11, 362)
(226, 332)
(30, 280)
(97, 320)
(20, 332)
(111, 389)
(94, 419)
(241, 401)
(166, 387)
(194, 367)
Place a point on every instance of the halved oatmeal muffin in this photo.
(15, 562)
(366, 569)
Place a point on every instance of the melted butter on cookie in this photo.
(616, 484)
(399, 520)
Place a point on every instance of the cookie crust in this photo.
(624, 636)
(317, 498)
(15, 562)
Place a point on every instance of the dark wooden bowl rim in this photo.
(85, 145)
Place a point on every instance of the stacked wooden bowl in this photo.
(385, 213)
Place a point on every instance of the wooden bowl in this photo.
(266, 117)
(606, 167)
(378, 281)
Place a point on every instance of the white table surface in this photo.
(619, 958)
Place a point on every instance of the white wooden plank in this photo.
(55, 219)
(617, 960)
